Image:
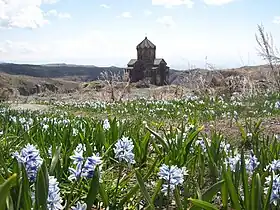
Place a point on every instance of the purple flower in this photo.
(124, 150)
(172, 175)
(84, 167)
(79, 206)
(30, 158)
(251, 163)
(54, 199)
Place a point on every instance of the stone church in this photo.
(147, 66)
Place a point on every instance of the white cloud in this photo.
(147, 12)
(125, 15)
(217, 2)
(171, 3)
(166, 20)
(23, 13)
(105, 6)
(61, 15)
(276, 20)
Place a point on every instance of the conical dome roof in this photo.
(146, 43)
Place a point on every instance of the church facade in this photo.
(147, 66)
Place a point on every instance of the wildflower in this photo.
(273, 166)
(30, 158)
(232, 162)
(225, 147)
(251, 163)
(249, 134)
(75, 173)
(45, 126)
(1, 133)
(124, 150)
(90, 165)
(201, 143)
(54, 199)
(79, 206)
(173, 175)
(277, 105)
(106, 124)
(275, 192)
(78, 154)
(83, 169)
(75, 131)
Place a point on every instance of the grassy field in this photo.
(143, 154)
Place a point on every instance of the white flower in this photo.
(54, 201)
(124, 150)
(106, 124)
(172, 175)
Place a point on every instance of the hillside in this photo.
(26, 80)
(65, 71)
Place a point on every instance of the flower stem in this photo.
(117, 185)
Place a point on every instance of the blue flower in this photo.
(30, 158)
(79, 206)
(54, 199)
(106, 124)
(232, 162)
(75, 173)
(172, 175)
(124, 150)
(201, 143)
(90, 165)
(78, 154)
(274, 166)
(275, 192)
(84, 167)
(251, 163)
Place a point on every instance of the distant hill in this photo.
(66, 71)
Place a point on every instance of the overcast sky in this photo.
(106, 32)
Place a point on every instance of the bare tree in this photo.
(111, 80)
(269, 52)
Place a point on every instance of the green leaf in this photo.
(161, 140)
(212, 191)
(136, 187)
(41, 188)
(25, 193)
(178, 199)
(245, 182)
(103, 195)
(143, 189)
(94, 189)
(55, 159)
(267, 201)
(203, 204)
(5, 190)
(232, 190)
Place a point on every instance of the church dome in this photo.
(146, 43)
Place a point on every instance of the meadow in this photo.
(142, 154)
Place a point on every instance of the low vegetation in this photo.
(141, 155)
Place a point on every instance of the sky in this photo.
(187, 33)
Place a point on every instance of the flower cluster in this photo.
(79, 206)
(273, 166)
(30, 158)
(172, 175)
(201, 143)
(275, 192)
(225, 147)
(232, 162)
(124, 150)
(85, 167)
(251, 163)
(106, 124)
(54, 201)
